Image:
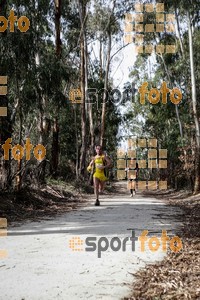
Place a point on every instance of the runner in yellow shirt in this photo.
(100, 162)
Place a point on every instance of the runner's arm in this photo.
(108, 162)
(91, 164)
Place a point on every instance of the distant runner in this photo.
(134, 180)
(100, 162)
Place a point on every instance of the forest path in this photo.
(41, 265)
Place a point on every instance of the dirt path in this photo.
(40, 265)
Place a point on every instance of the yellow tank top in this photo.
(99, 173)
(99, 161)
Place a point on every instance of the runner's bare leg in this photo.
(101, 186)
(96, 187)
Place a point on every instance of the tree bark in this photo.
(5, 122)
(57, 26)
(176, 106)
(5, 133)
(82, 13)
(89, 104)
(42, 128)
(194, 104)
(55, 149)
(100, 59)
(103, 115)
(19, 163)
(77, 146)
(179, 31)
(55, 141)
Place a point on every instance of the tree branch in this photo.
(124, 46)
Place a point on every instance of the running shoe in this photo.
(97, 203)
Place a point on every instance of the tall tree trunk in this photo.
(5, 122)
(194, 102)
(55, 140)
(77, 148)
(43, 136)
(5, 133)
(82, 12)
(179, 31)
(57, 26)
(179, 122)
(103, 115)
(176, 106)
(100, 58)
(55, 148)
(89, 105)
(19, 163)
(42, 126)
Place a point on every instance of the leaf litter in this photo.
(177, 277)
